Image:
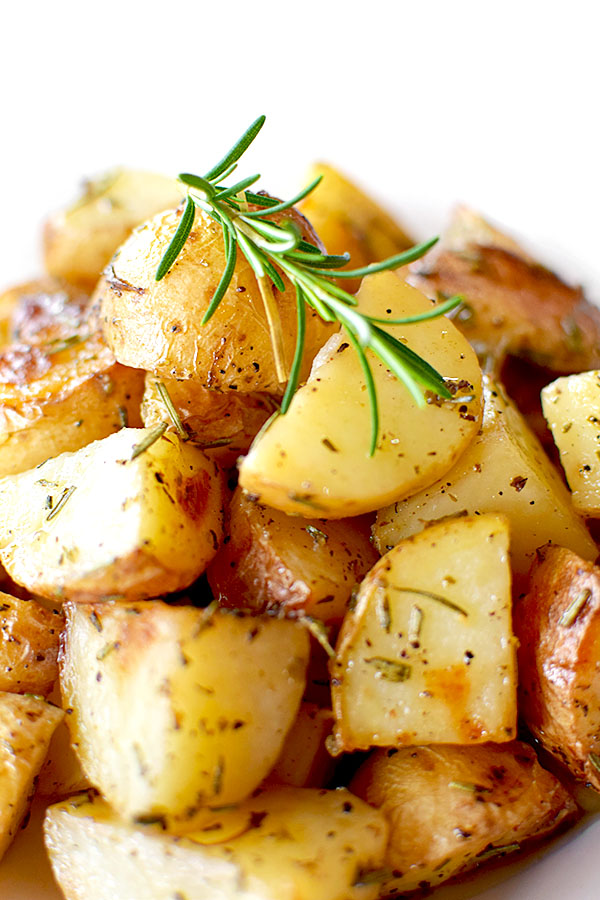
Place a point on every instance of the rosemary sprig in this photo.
(276, 249)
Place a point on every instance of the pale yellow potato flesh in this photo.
(174, 708)
(428, 655)
(451, 808)
(284, 844)
(572, 410)
(506, 471)
(26, 726)
(164, 507)
(315, 461)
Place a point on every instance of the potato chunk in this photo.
(451, 808)
(558, 626)
(26, 726)
(304, 760)
(514, 305)
(314, 461)
(427, 655)
(572, 409)
(156, 325)
(307, 566)
(223, 690)
(29, 636)
(505, 470)
(164, 506)
(289, 844)
(79, 241)
(349, 221)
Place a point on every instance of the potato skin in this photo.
(273, 561)
(29, 638)
(447, 805)
(558, 626)
(157, 325)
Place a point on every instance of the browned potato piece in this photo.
(558, 626)
(79, 241)
(41, 311)
(304, 760)
(156, 325)
(349, 221)
(274, 561)
(513, 305)
(29, 636)
(222, 424)
(450, 808)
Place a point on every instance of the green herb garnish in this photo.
(276, 249)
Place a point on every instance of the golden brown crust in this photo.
(558, 626)
(29, 637)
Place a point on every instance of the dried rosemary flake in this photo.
(170, 407)
(107, 649)
(594, 760)
(389, 669)
(469, 786)
(375, 876)
(497, 851)
(415, 621)
(150, 439)
(431, 596)
(383, 608)
(61, 502)
(316, 534)
(319, 632)
(570, 614)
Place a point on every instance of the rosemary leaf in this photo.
(279, 207)
(61, 502)
(431, 596)
(238, 149)
(178, 240)
(570, 614)
(294, 376)
(170, 407)
(393, 262)
(390, 669)
(147, 442)
(230, 261)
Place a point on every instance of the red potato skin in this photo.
(558, 626)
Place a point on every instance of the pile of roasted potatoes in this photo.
(243, 658)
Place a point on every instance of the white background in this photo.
(424, 103)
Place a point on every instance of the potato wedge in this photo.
(314, 461)
(428, 655)
(572, 409)
(289, 844)
(558, 626)
(29, 636)
(272, 561)
(223, 425)
(79, 241)
(164, 506)
(505, 470)
(156, 325)
(304, 760)
(26, 726)
(224, 690)
(349, 221)
(61, 774)
(513, 304)
(452, 808)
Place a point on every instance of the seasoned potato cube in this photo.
(274, 561)
(61, 774)
(513, 304)
(558, 626)
(427, 655)
(349, 221)
(314, 461)
(304, 760)
(164, 506)
(26, 726)
(79, 241)
(504, 471)
(157, 325)
(223, 425)
(223, 690)
(29, 636)
(289, 844)
(572, 409)
(452, 808)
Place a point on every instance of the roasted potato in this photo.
(164, 505)
(349, 221)
(513, 304)
(558, 626)
(223, 688)
(504, 470)
(29, 636)
(157, 325)
(40, 311)
(79, 241)
(222, 424)
(285, 843)
(452, 808)
(304, 760)
(427, 655)
(314, 461)
(26, 726)
(572, 409)
(272, 561)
